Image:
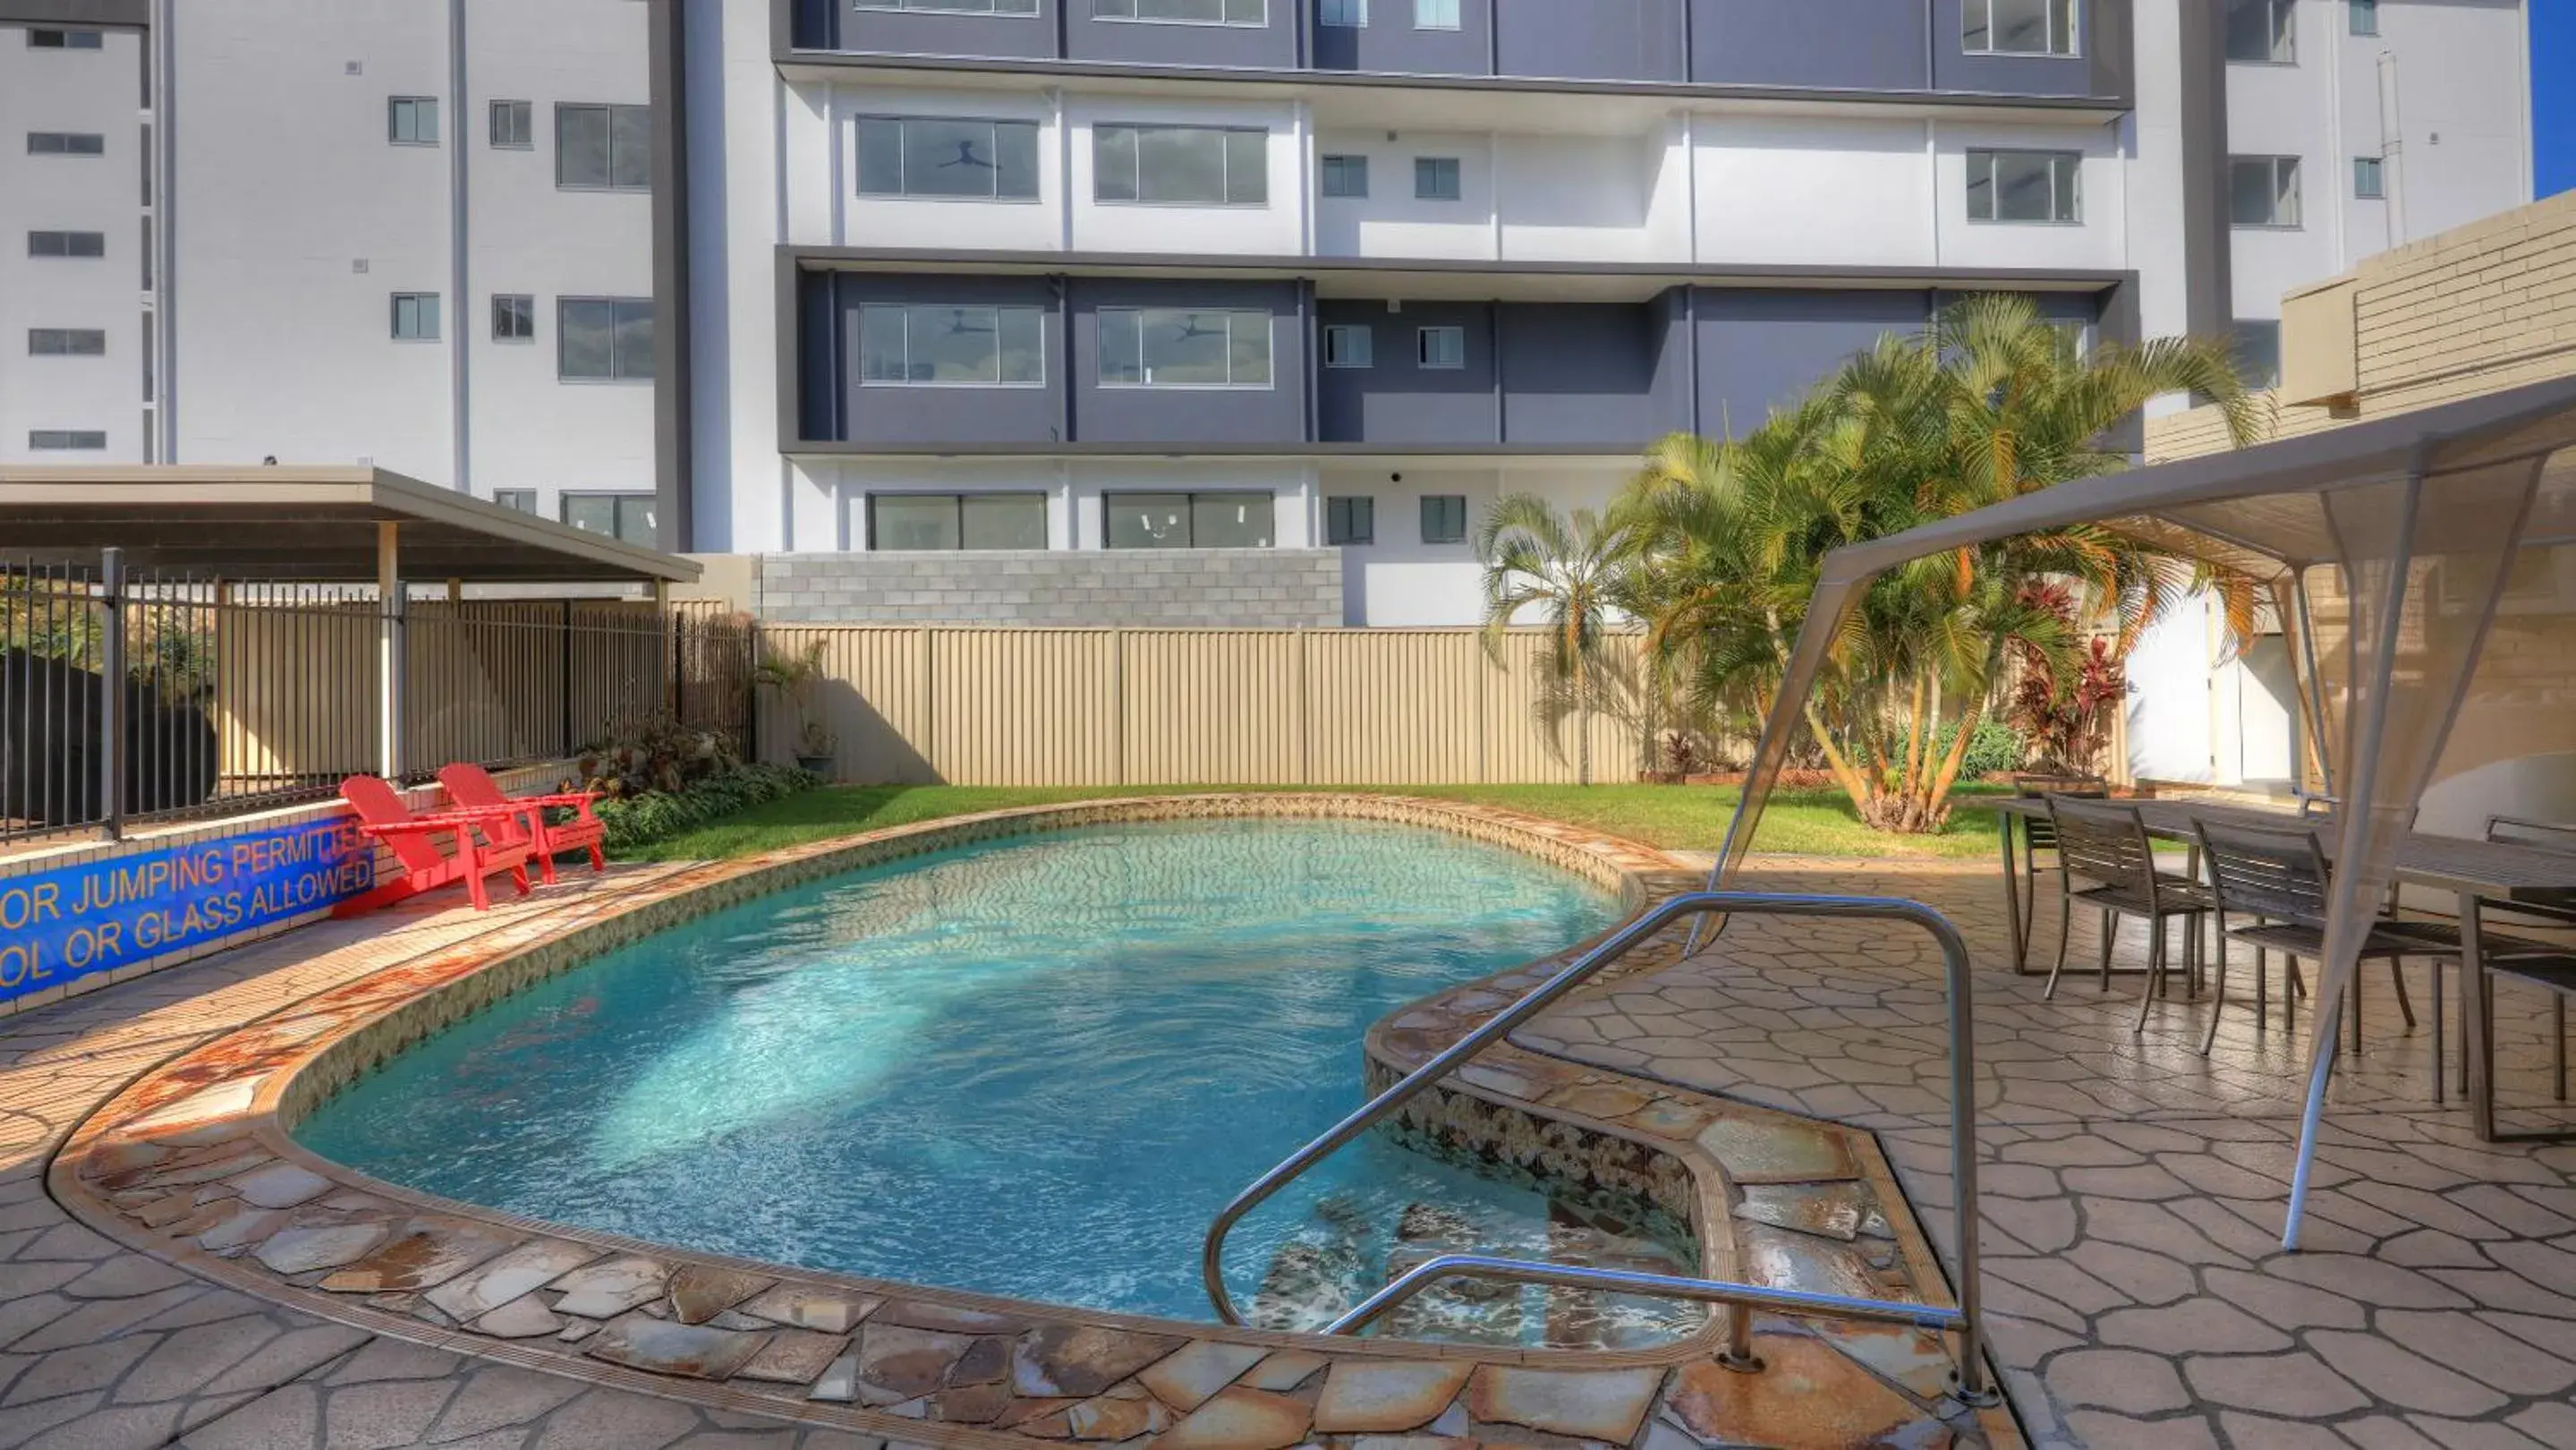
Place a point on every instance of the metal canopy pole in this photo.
(389, 652)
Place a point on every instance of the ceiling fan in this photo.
(966, 157)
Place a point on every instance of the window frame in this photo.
(1037, 174)
(1100, 12)
(2361, 18)
(1342, 14)
(1422, 350)
(617, 377)
(1144, 374)
(1994, 192)
(2374, 167)
(436, 313)
(397, 106)
(2236, 350)
(1367, 350)
(66, 337)
(2298, 194)
(66, 37)
(2074, 13)
(63, 148)
(75, 440)
(65, 256)
(1101, 130)
(617, 512)
(609, 112)
(1189, 515)
(525, 116)
(957, 500)
(1344, 164)
(1454, 10)
(502, 497)
(2286, 38)
(1425, 168)
(523, 306)
(1357, 526)
(1442, 536)
(1036, 310)
(992, 10)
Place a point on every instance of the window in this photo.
(2263, 32)
(64, 440)
(1350, 345)
(66, 244)
(604, 339)
(1444, 518)
(957, 7)
(1173, 347)
(1435, 178)
(2024, 186)
(514, 318)
(66, 342)
(1350, 520)
(1441, 347)
(1346, 176)
(1346, 14)
(2364, 16)
(927, 521)
(411, 120)
(1435, 14)
(49, 39)
(1188, 520)
(2258, 352)
(2017, 27)
(514, 125)
(66, 143)
(415, 317)
(626, 517)
(2369, 178)
(938, 345)
(1185, 12)
(1195, 165)
(522, 499)
(2263, 191)
(604, 148)
(934, 156)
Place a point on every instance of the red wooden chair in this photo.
(523, 818)
(382, 815)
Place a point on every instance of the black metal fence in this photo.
(131, 697)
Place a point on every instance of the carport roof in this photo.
(300, 524)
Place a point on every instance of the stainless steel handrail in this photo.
(1970, 1374)
(1574, 1276)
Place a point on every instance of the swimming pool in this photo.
(1031, 1067)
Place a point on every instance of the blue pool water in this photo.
(1031, 1067)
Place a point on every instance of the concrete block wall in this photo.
(1169, 588)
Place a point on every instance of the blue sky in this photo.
(2553, 95)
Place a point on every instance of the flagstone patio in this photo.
(2135, 1284)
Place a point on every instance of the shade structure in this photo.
(2425, 566)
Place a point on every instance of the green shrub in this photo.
(1995, 749)
(652, 815)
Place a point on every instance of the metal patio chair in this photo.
(2039, 833)
(2106, 844)
(2500, 941)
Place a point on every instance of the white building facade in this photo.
(1066, 279)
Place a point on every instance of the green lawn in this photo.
(1807, 822)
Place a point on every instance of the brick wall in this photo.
(1172, 588)
(2478, 309)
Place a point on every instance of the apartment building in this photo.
(938, 294)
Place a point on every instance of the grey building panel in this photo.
(674, 352)
(1759, 350)
(1953, 69)
(1837, 44)
(78, 12)
(900, 32)
(935, 415)
(1584, 373)
(2208, 247)
(1271, 45)
(1184, 416)
(1389, 43)
(1395, 399)
(1620, 40)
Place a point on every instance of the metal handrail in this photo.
(1969, 1376)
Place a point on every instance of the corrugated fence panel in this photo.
(1024, 707)
(1394, 707)
(1212, 707)
(283, 705)
(871, 698)
(1526, 746)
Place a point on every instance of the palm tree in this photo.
(1571, 573)
(1991, 401)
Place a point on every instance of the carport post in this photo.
(389, 652)
(111, 695)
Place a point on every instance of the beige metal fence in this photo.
(968, 706)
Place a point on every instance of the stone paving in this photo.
(2134, 1191)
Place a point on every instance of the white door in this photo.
(2168, 705)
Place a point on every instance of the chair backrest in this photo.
(2104, 842)
(2043, 831)
(2274, 874)
(379, 804)
(2546, 836)
(473, 787)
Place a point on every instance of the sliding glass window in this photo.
(1185, 12)
(1180, 165)
(1172, 347)
(929, 522)
(935, 156)
(1188, 520)
(930, 344)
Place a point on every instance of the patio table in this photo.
(2474, 871)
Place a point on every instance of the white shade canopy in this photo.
(2431, 560)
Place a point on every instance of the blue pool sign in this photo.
(58, 926)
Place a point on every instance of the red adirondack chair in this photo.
(524, 817)
(382, 814)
